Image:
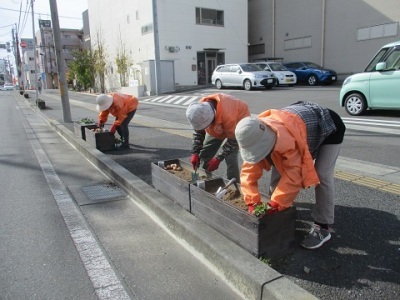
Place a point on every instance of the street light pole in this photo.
(34, 54)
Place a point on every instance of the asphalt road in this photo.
(362, 259)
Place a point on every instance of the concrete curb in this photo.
(244, 272)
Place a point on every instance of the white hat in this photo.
(103, 102)
(200, 115)
(255, 139)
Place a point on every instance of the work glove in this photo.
(195, 161)
(113, 128)
(273, 208)
(100, 124)
(213, 164)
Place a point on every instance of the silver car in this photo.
(244, 75)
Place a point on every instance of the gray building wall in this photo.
(329, 30)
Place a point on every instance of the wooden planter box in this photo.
(79, 129)
(103, 141)
(171, 185)
(269, 236)
(41, 104)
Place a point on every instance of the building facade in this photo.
(71, 40)
(188, 39)
(341, 35)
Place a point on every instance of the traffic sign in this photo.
(23, 44)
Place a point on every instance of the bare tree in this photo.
(100, 59)
(122, 61)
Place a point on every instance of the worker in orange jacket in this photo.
(300, 143)
(214, 119)
(123, 108)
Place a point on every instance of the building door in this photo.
(210, 67)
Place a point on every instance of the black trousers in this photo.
(123, 129)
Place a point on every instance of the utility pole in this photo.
(60, 62)
(34, 54)
(157, 64)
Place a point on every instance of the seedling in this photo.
(261, 209)
(87, 121)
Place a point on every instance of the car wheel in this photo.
(268, 87)
(355, 104)
(312, 80)
(247, 85)
(218, 84)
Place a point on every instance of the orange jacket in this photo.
(290, 156)
(120, 108)
(228, 113)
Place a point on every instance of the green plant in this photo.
(87, 121)
(261, 209)
(265, 260)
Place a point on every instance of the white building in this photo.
(188, 39)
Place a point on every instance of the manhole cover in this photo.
(102, 191)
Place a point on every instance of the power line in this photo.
(38, 13)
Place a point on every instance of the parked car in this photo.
(244, 75)
(282, 74)
(378, 87)
(8, 87)
(311, 73)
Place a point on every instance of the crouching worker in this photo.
(288, 141)
(123, 108)
(214, 119)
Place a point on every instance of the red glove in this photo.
(195, 161)
(273, 208)
(113, 128)
(213, 164)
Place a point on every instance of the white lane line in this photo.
(183, 98)
(172, 99)
(192, 99)
(105, 282)
(164, 99)
(150, 99)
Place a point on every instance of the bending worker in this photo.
(288, 141)
(123, 108)
(214, 119)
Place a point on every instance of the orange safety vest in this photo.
(290, 156)
(229, 111)
(120, 108)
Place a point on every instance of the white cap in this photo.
(200, 115)
(103, 102)
(255, 139)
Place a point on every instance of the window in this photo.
(147, 29)
(257, 49)
(377, 31)
(304, 42)
(205, 16)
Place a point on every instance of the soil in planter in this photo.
(232, 196)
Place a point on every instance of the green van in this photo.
(378, 87)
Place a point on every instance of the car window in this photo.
(234, 69)
(312, 65)
(393, 60)
(294, 65)
(375, 60)
(277, 67)
(250, 68)
(224, 69)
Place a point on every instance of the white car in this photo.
(283, 75)
(8, 87)
(244, 75)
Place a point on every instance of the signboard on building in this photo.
(44, 23)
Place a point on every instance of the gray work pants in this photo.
(211, 146)
(324, 208)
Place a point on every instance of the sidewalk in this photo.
(185, 260)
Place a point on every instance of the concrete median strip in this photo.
(245, 273)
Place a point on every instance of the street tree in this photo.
(81, 68)
(122, 61)
(100, 59)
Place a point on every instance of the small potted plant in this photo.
(79, 127)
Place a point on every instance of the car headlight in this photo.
(347, 80)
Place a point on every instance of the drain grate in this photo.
(102, 191)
